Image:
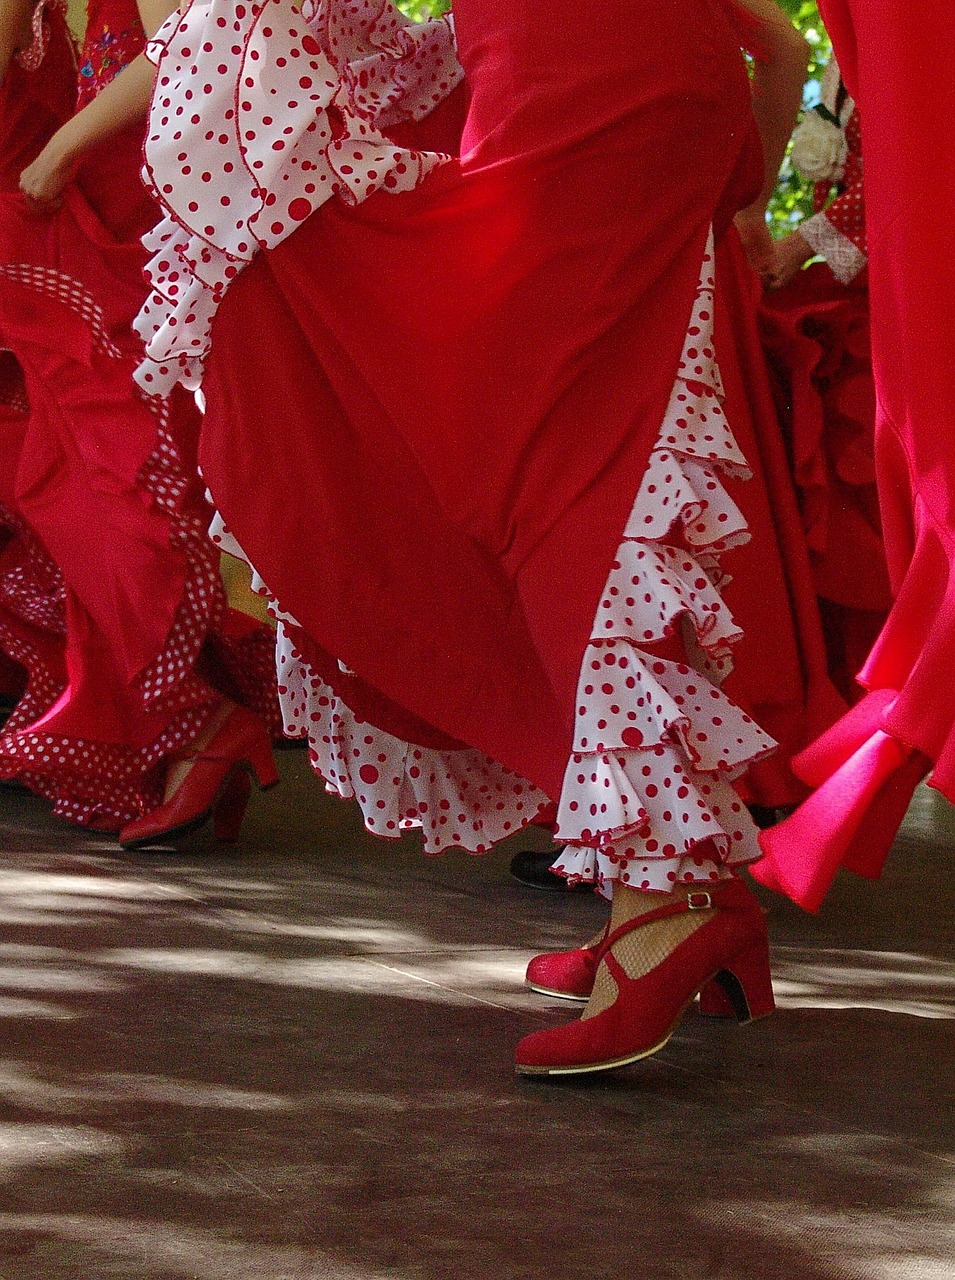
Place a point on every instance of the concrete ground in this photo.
(293, 1061)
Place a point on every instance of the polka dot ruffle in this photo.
(648, 796)
(32, 621)
(262, 112)
(391, 70)
(93, 783)
(103, 785)
(459, 799)
(64, 290)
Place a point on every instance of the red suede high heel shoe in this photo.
(216, 786)
(730, 948)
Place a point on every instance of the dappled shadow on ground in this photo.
(295, 1063)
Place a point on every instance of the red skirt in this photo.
(106, 480)
(780, 672)
(818, 336)
(453, 391)
(34, 102)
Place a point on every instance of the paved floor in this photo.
(294, 1062)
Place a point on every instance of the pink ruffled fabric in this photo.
(864, 779)
(288, 142)
(647, 796)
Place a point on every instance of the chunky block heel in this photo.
(263, 764)
(230, 806)
(715, 1003)
(747, 985)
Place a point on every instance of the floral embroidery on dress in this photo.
(104, 57)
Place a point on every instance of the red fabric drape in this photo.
(897, 61)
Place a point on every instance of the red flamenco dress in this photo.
(106, 479)
(818, 336)
(865, 770)
(37, 96)
(481, 403)
(780, 670)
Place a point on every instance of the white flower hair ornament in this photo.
(819, 149)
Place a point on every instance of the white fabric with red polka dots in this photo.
(459, 799)
(647, 796)
(263, 111)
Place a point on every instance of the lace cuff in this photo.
(844, 258)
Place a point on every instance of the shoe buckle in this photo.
(701, 901)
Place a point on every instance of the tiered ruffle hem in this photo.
(647, 796)
(32, 623)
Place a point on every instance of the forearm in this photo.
(778, 79)
(123, 102)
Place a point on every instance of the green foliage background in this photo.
(793, 198)
(421, 9)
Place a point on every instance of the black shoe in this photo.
(534, 870)
(765, 817)
(15, 785)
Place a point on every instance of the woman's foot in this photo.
(211, 780)
(661, 950)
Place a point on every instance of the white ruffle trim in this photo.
(459, 799)
(647, 796)
(262, 112)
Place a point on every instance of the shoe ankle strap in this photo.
(728, 893)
